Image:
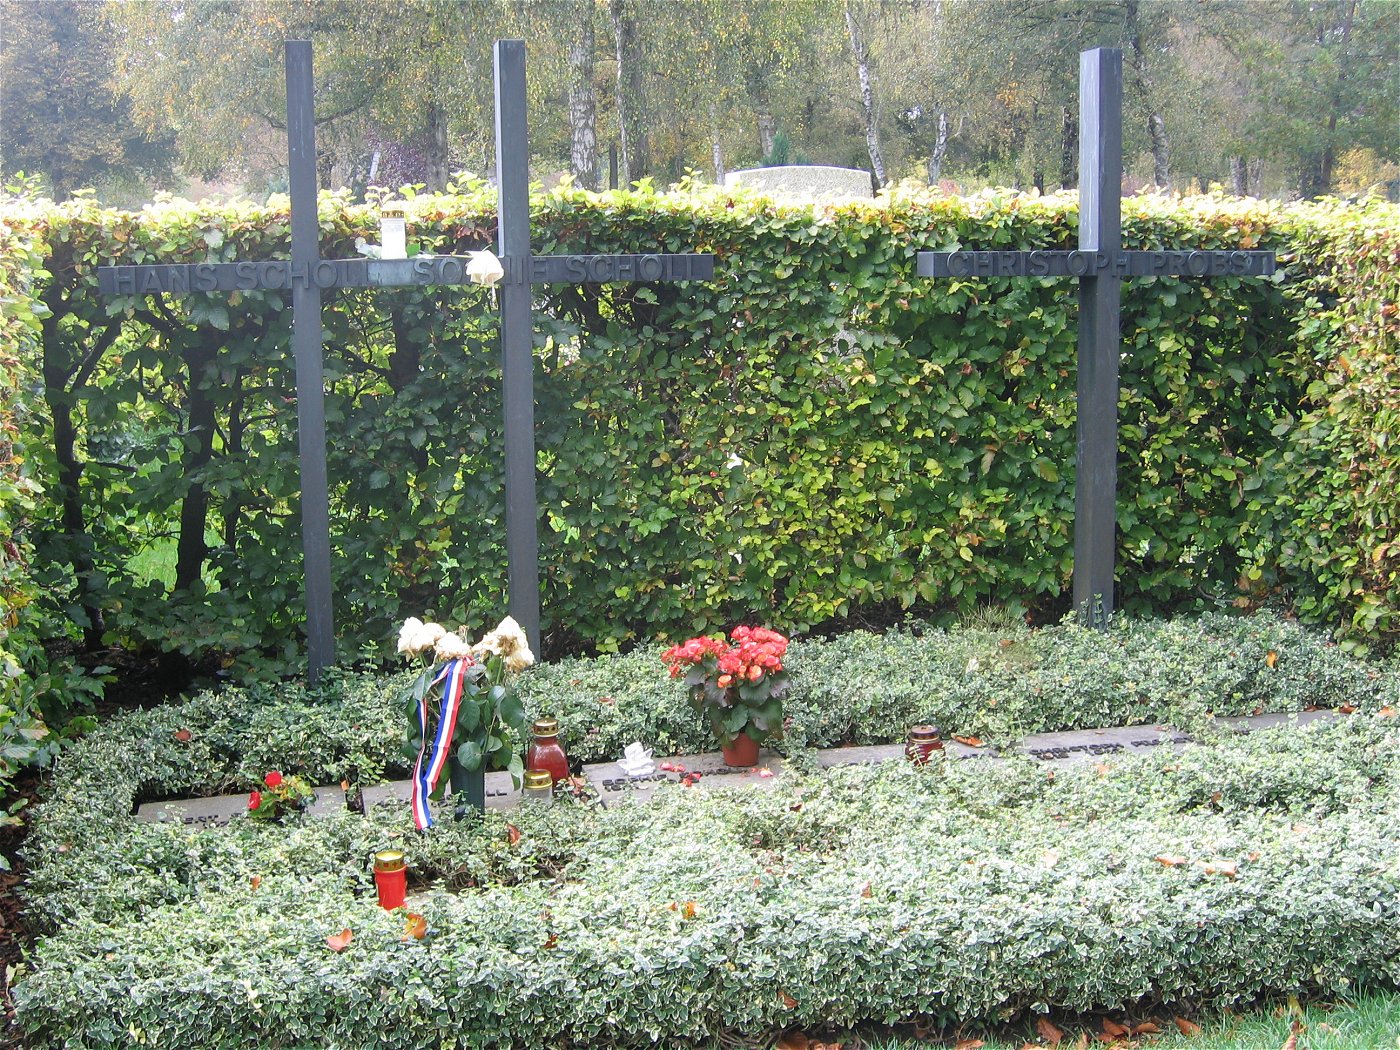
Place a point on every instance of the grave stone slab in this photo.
(871, 754)
(613, 785)
(1092, 745)
(805, 180)
(500, 793)
(218, 811)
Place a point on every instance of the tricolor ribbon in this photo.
(426, 776)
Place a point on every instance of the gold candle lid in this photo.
(546, 727)
(393, 209)
(537, 779)
(389, 860)
(923, 733)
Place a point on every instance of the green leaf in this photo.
(469, 756)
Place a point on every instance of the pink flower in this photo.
(255, 800)
(273, 779)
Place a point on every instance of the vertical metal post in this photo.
(517, 339)
(306, 347)
(1100, 180)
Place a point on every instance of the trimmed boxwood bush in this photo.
(963, 890)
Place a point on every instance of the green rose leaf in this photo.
(469, 756)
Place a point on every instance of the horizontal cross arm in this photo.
(189, 278)
(1185, 263)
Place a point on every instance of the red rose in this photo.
(255, 800)
(273, 779)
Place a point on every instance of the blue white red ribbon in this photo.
(426, 776)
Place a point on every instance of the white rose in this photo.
(408, 635)
(485, 268)
(452, 647)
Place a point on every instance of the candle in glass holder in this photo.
(393, 231)
(539, 785)
(390, 878)
(923, 742)
(545, 752)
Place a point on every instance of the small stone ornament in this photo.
(636, 760)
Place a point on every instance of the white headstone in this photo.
(805, 180)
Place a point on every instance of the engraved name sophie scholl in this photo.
(361, 273)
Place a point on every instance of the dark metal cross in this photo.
(307, 274)
(1100, 264)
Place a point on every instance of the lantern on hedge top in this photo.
(393, 231)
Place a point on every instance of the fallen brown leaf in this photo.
(1146, 1028)
(345, 785)
(865, 890)
(1187, 1028)
(336, 942)
(1271, 658)
(1083, 1043)
(1347, 709)
(551, 942)
(255, 881)
(512, 833)
(1386, 712)
(183, 735)
(416, 927)
(1296, 1029)
(1103, 768)
(793, 1041)
(970, 741)
(606, 700)
(789, 1003)
(1169, 860)
(688, 910)
(1048, 1031)
(969, 1044)
(1228, 868)
(1114, 1030)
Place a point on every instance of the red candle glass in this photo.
(923, 742)
(390, 878)
(545, 752)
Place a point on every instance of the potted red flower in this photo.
(739, 687)
(280, 797)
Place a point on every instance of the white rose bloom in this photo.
(520, 659)
(408, 634)
(485, 268)
(452, 647)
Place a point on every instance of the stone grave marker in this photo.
(805, 180)
(218, 811)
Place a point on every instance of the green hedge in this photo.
(991, 889)
(906, 442)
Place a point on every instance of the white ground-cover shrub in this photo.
(968, 889)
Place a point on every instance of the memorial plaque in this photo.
(218, 811)
(706, 771)
(501, 793)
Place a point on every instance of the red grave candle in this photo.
(545, 752)
(390, 878)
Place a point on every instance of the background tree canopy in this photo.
(1267, 97)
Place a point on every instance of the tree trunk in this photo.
(631, 100)
(436, 175)
(58, 372)
(583, 138)
(191, 551)
(1156, 124)
(1069, 148)
(940, 149)
(767, 132)
(1239, 176)
(1329, 149)
(868, 110)
(716, 146)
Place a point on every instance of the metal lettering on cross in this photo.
(1100, 264)
(307, 274)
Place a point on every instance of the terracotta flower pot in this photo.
(743, 751)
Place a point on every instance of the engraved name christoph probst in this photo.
(1092, 264)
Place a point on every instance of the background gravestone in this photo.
(808, 180)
